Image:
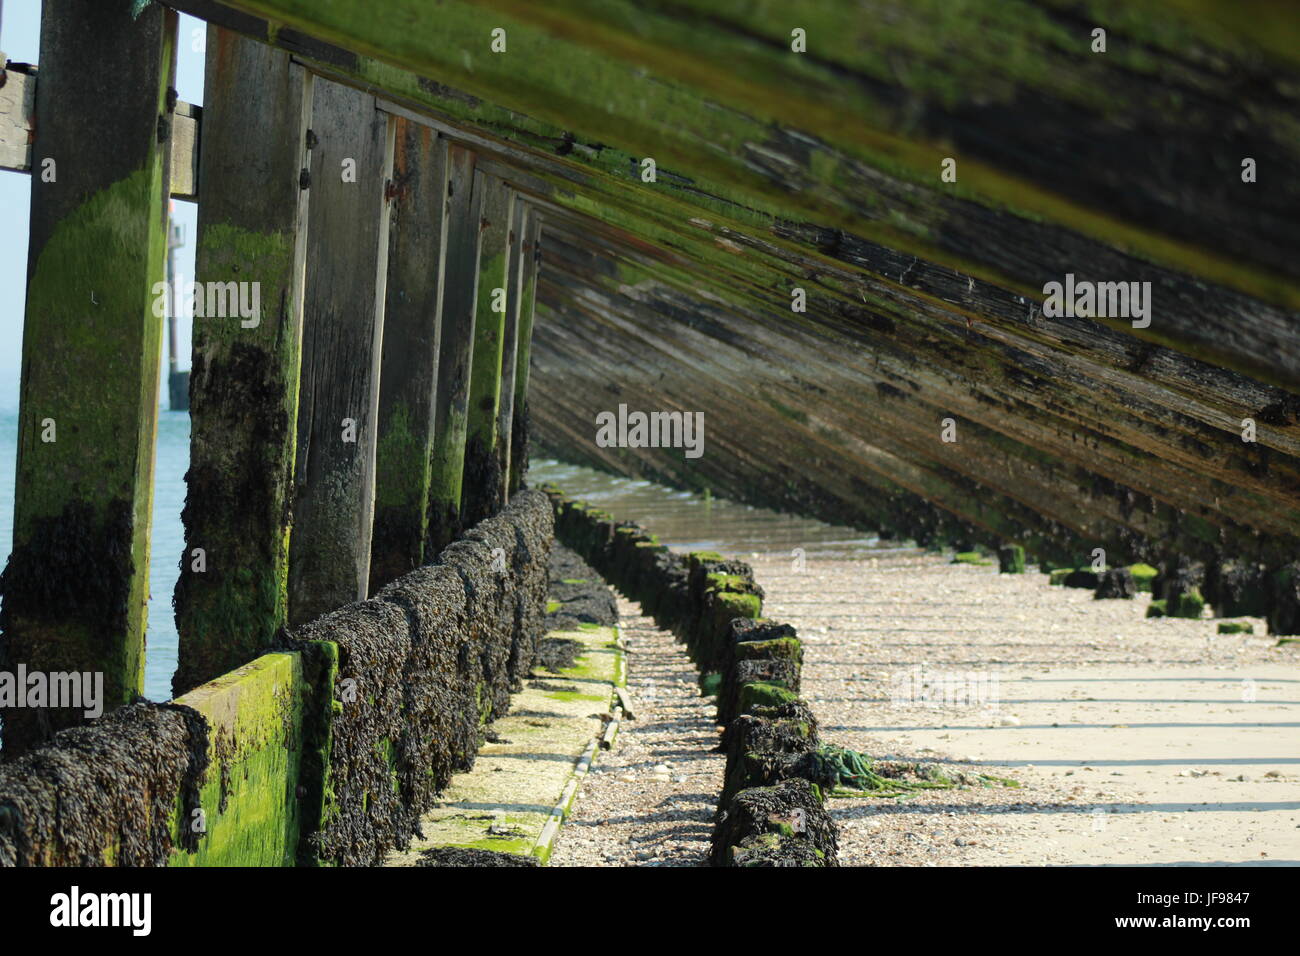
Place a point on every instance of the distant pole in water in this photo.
(178, 382)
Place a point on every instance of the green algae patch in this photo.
(704, 557)
(524, 774)
(1157, 609)
(970, 557)
(1058, 576)
(1143, 576)
(710, 684)
(249, 796)
(763, 694)
(1188, 604)
(1236, 627)
(731, 604)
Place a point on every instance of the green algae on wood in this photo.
(231, 596)
(412, 332)
(482, 487)
(76, 586)
(249, 797)
(456, 349)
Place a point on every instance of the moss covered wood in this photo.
(510, 342)
(231, 596)
(412, 326)
(635, 78)
(975, 306)
(481, 490)
(347, 247)
(76, 585)
(530, 256)
(456, 349)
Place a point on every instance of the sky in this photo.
(20, 34)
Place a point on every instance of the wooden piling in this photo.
(456, 349)
(231, 596)
(531, 258)
(347, 249)
(77, 583)
(510, 344)
(412, 317)
(481, 491)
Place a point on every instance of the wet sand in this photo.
(1135, 740)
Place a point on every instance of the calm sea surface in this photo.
(682, 520)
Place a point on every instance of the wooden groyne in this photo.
(426, 229)
(323, 752)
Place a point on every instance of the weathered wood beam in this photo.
(1152, 393)
(871, 178)
(347, 252)
(18, 125)
(519, 418)
(412, 331)
(1095, 396)
(850, 398)
(481, 491)
(750, 465)
(76, 587)
(232, 594)
(510, 343)
(456, 352)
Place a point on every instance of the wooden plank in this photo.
(347, 250)
(481, 492)
(17, 126)
(185, 151)
(412, 324)
(17, 106)
(456, 349)
(519, 419)
(510, 344)
(232, 600)
(76, 586)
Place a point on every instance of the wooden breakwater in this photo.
(771, 811)
(325, 752)
(832, 237)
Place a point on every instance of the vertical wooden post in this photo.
(532, 257)
(456, 349)
(343, 313)
(510, 344)
(77, 583)
(412, 317)
(481, 492)
(231, 597)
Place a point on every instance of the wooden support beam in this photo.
(456, 349)
(510, 344)
(77, 584)
(788, 152)
(482, 487)
(412, 323)
(231, 596)
(347, 254)
(519, 421)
